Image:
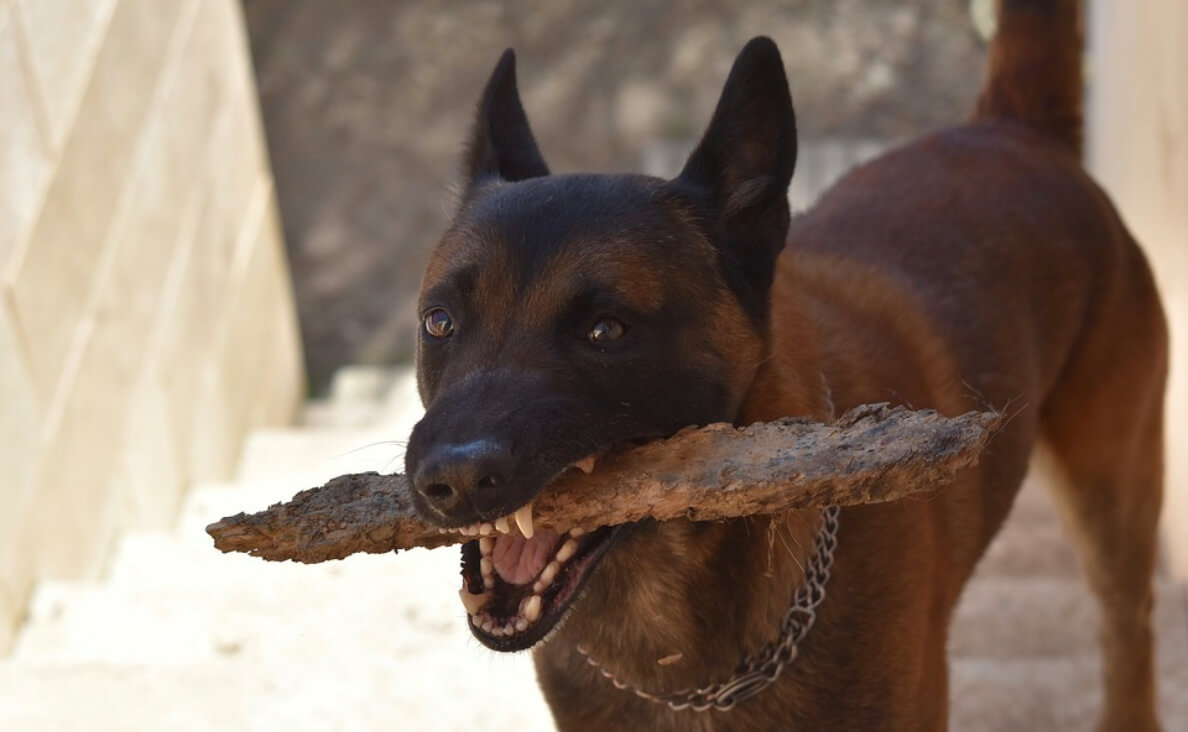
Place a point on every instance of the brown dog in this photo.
(565, 315)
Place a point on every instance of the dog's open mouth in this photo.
(519, 581)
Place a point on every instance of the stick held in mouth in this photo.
(873, 454)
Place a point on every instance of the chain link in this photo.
(753, 675)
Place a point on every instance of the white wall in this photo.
(146, 319)
(1138, 149)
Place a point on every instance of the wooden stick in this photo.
(873, 454)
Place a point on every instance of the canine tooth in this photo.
(501, 525)
(474, 603)
(537, 586)
(567, 550)
(521, 625)
(576, 532)
(532, 609)
(485, 529)
(524, 521)
(549, 573)
(586, 465)
(487, 565)
(509, 629)
(486, 545)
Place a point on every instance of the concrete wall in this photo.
(1138, 149)
(146, 318)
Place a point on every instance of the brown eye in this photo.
(438, 323)
(605, 331)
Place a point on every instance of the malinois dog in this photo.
(566, 315)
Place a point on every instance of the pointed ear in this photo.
(501, 144)
(745, 161)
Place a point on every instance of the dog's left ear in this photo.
(501, 144)
(745, 162)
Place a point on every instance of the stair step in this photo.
(1048, 694)
(365, 400)
(168, 600)
(361, 384)
(242, 691)
(1026, 547)
(1020, 617)
(320, 454)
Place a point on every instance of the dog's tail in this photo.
(1033, 74)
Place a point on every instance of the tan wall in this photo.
(1138, 148)
(146, 319)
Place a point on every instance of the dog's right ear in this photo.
(501, 144)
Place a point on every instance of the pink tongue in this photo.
(519, 560)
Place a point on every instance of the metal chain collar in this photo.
(755, 674)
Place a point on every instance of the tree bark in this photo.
(873, 454)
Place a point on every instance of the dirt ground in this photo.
(366, 103)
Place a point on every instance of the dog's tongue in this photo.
(519, 560)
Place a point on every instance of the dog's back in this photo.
(982, 266)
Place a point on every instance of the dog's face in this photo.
(563, 316)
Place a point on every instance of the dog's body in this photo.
(976, 267)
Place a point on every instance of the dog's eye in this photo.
(605, 331)
(438, 323)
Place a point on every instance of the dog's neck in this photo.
(679, 605)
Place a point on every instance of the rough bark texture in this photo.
(874, 453)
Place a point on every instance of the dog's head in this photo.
(564, 315)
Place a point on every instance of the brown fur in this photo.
(1084, 368)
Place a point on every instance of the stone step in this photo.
(246, 692)
(350, 435)
(172, 601)
(1027, 547)
(182, 637)
(1038, 617)
(320, 454)
(1046, 694)
(363, 397)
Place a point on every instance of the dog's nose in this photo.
(460, 480)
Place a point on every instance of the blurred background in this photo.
(367, 103)
(213, 219)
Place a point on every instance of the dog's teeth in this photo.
(576, 532)
(524, 521)
(538, 587)
(501, 525)
(567, 550)
(532, 609)
(488, 625)
(586, 465)
(549, 573)
(487, 566)
(509, 629)
(474, 603)
(486, 529)
(486, 545)
(521, 625)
